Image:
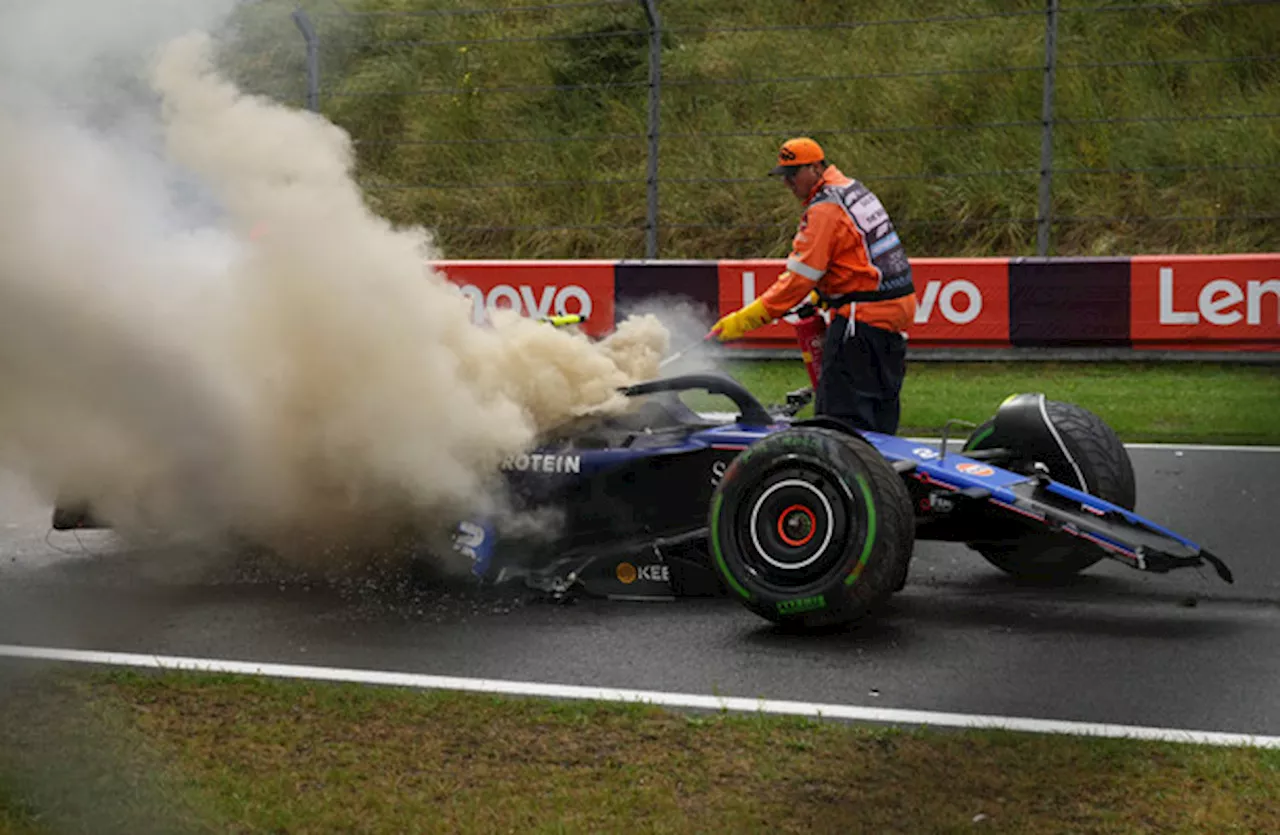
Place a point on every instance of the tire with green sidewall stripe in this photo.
(811, 528)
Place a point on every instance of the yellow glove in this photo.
(738, 323)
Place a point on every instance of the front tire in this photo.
(811, 528)
(1101, 468)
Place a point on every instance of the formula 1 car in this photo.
(812, 523)
(809, 523)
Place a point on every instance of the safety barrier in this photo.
(1223, 303)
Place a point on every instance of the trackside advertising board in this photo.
(537, 289)
(1211, 302)
(1181, 302)
(959, 302)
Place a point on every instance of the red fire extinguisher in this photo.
(811, 333)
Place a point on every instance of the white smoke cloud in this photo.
(202, 324)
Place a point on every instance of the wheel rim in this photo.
(797, 522)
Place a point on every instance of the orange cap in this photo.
(799, 151)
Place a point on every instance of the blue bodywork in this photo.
(943, 484)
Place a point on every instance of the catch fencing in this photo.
(1035, 219)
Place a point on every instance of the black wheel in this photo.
(1097, 464)
(811, 528)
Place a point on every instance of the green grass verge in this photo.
(1165, 402)
(189, 753)
(450, 110)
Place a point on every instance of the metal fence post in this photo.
(303, 22)
(655, 110)
(1044, 219)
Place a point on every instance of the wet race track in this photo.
(1183, 650)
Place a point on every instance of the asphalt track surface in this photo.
(1116, 646)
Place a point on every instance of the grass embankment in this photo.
(1174, 402)
(444, 105)
(186, 753)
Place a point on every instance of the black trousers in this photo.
(862, 374)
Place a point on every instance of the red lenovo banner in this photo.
(1211, 302)
(537, 289)
(959, 301)
(1179, 302)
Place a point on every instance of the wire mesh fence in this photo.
(643, 128)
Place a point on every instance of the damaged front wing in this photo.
(1122, 534)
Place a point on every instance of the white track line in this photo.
(655, 697)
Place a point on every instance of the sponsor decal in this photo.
(468, 539)
(975, 469)
(961, 301)
(655, 573)
(1180, 301)
(958, 301)
(537, 290)
(884, 246)
(476, 542)
(869, 211)
(924, 452)
(940, 503)
(540, 463)
(1218, 302)
(802, 604)
(541, 302)
(628, 573)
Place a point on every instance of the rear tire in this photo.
(1107, 472)
(811, 528)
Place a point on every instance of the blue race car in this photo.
(811, 523)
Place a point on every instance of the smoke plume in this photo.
(203, 327)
